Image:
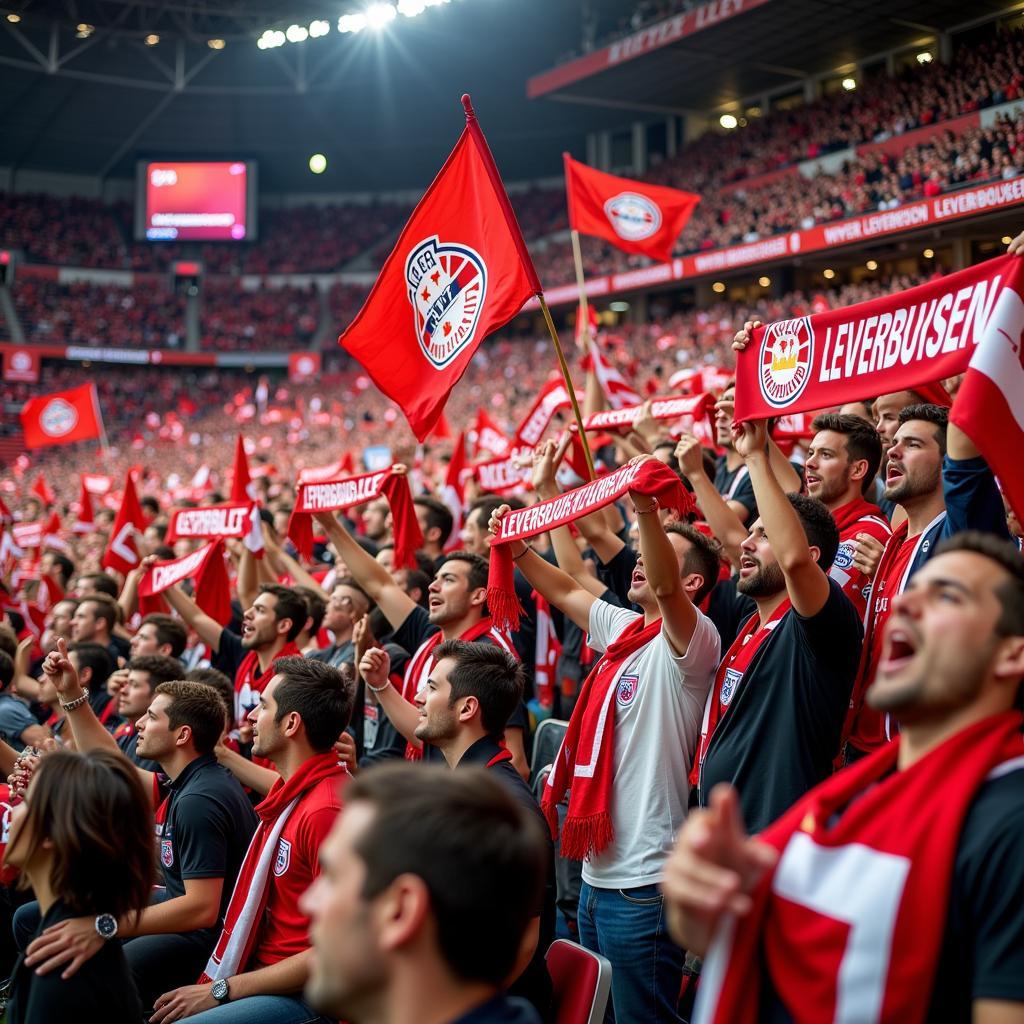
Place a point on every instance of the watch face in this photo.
(220, 989)
(106, 925)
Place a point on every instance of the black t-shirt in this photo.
(735, 485)
(417, 628)
(229, 654)
(207, 828)
(781, 732)
(534, 983)
(617, 574)
(728, 609)
(376, 738)
(982, 953)
(101, 989)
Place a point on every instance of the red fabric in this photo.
(84, 520)
(989, 406)
(206, 567)
(633, 215)
(649, 477)
(589, 743)
(250, 681)
(490, 437)
(864, 727)
(62, 417)
(122, 553)
(277, 925)
(895, 841)
(857, 516)
(459, 271)
(242, 488)
(553, 398)
(345, 492)
(902, 341)
(230, 519)
(695, 407)
(729, 678)
(615, 388)
(546, 654)
(42, 490)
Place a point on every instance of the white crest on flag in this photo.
(447, 284)
(58, 418)
(633, 216)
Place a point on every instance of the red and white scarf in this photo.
(231, 519)
(251, 679)
(206, 567)
(648, 477)
(346, 492)
(585, 764)
(244, 915)
(730, 677)
(849, 924)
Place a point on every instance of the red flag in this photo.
(84, 520)
(583, 336)
(41, 489)
(242, 487)
(989, 406)
(441, 431)
(616, 389)
(62, 417)
(453, 492)
(205, 566)
(632, 215)
(489, 436)
(122, 553)
(51, 533)
(459, 271)
(303, 366)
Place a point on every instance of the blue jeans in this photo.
(628, 927)
(260, 1010)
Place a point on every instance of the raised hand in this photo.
(750, 437)
(867, 554)
(545, 465)
(742, 338)
(374, 667)
(58, 668)
(690, 455)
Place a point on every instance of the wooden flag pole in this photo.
(568, 383)
(584, 307)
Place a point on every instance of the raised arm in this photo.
(207, 629)
(368, 572)
(554, 585)
(375, 668)
(661, 566)
(806, 583)
(128, 599)
(283, 562)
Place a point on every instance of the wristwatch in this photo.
(220, 991)
(106, 926)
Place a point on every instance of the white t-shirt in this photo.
(659, 705)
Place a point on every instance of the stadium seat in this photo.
(581, 981)
(546, 741)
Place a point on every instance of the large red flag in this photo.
(242, 487)
(459, 271)
(632, 215)
(62, 417)
(122, 552)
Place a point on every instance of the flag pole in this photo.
(104, 443)
(584, 307)
(564, 366)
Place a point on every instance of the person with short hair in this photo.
(94, 621)
(81, 837)
(91, 583)
(348, 603)
(418, 871)
(160, 634)
(262, 960)
(436, 523)
(203, 824)
(903, 871)
(145, 673)
(94, 665)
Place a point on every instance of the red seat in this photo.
(581, 981)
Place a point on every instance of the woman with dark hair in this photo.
(82, 838)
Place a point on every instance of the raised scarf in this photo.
(585, 764)
(648, 477)
(230, 519)
(849, 923)
(345, 492)
(205, 566)
(252, 890)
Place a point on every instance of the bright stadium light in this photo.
(928, 254)
(352, 23)
(216, 44)
(271, 39)
(849, 84)
(828, 274)
(84, 30)
(871, 264)
(378, 15)
(764, 281)
(14, 18)
(718, 287)
(318, 163)
(925, 57)
(152, 39)
(318, 29)
(296, 34)
(728, 121)
(619, 307)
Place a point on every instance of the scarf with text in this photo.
(893, 343)
(849, 923)
(252, 890)
(205, 566)
(346, 492)
(209, 522)
(648, 477)
(585, 763)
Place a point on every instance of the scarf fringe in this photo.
(586, 836)
(504, 607)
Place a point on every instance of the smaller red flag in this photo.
(242, 487)
(122, 553)
(490, 438)
(42, 490)
(62, 417)
(632, 215)
(84, 520)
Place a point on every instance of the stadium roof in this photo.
(725, 50)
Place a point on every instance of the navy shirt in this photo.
(206, 830)
(735, 485)
(780, 734)
(15, 718)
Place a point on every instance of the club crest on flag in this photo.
(284, 857)
(634, 217)
(787, 349)
(447, 284)
(58, 418)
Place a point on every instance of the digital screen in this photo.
(186, 201)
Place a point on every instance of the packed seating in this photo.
(236, 318)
